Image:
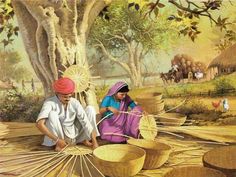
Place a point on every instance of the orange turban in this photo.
(64, 86)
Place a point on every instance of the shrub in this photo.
(101, 92)
(192, 106)
(18, 107)
(222, 85)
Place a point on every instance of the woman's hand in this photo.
(60, 145)
(114, 110)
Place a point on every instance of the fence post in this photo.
(209, 93)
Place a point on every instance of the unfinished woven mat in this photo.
(80, 75)
(148, 127)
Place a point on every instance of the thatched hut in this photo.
(225, 63)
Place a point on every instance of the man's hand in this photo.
(95, 144)
(60, 145)
(114, 110)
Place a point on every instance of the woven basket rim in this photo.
(166, 146)
(127, 145)
(217, 149)
(196, 167)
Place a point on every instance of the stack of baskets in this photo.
(151, 102)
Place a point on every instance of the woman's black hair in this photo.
(124, 89)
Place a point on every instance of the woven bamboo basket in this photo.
(155, 96)
(119, 160)
(152, 108)
(151, 102)
(223, 159)
(172, 119)
(156, 153)
(194, 171)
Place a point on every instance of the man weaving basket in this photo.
(63, 120)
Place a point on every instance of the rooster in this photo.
(216, 105)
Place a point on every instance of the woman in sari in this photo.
(118, 122)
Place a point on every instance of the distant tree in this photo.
(125, 37)
(10, 67)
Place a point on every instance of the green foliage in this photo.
(130, 22)
(7, 27)
(10, 66)
(223, 85)
(101, 92)
(18, 107)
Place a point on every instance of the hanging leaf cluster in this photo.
(7, 27)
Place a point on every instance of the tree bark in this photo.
(55, 36)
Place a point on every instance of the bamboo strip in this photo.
(211, 142)
(188, 149)
(86, 165)
(21, 166)
(180, 104)
(49, 167)
(26, 156)
(23, 175)
(95, 167)
(81, 166)
(117, 134)
(170, 133)
(104, 118)
(26, 160)
(65, 165)
(72, 167)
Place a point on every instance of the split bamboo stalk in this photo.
(65, 165)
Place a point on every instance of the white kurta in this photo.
(74, 123)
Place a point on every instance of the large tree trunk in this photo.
(55, 35)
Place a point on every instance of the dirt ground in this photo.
(187, 151)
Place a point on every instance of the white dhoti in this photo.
(77, 132)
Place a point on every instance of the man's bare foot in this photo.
(87, 143)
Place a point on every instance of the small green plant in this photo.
(223, 85)
(18, 107)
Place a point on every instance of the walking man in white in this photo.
(63, 120)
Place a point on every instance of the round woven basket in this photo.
(156, 153)
(153, 107)
(119, 160)
(194, 171)
(172, 119)
(151, 102)
(223, 159)
(150, 96)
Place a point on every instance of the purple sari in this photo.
(123, 123)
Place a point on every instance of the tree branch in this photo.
(111, 58)
(197, 12)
